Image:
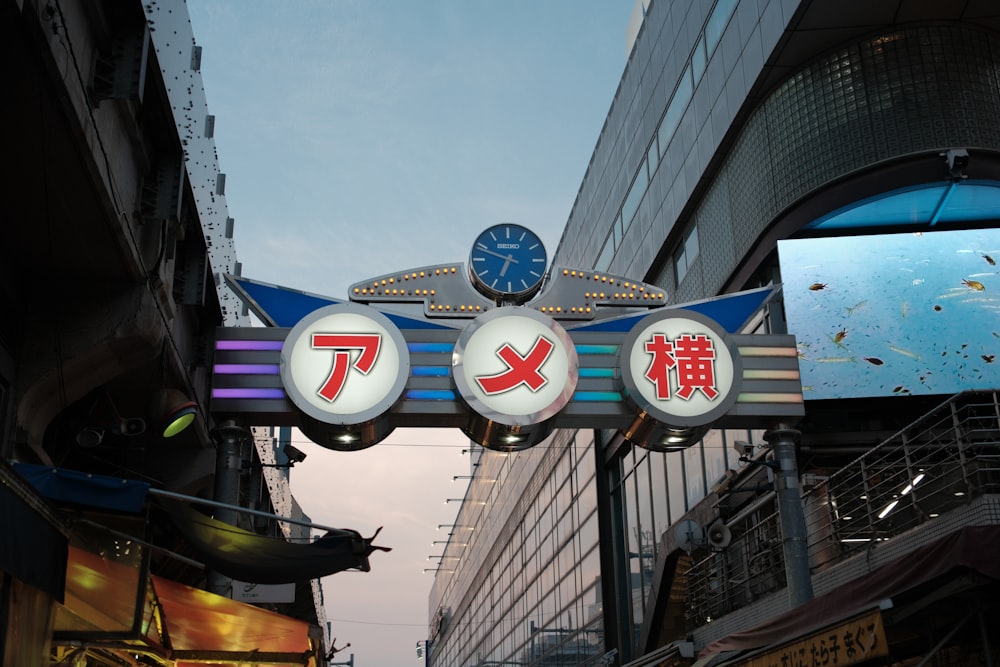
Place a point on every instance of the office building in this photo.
(847, 153)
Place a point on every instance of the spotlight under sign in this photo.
(428, 348)
(344, 367)
(515, 369)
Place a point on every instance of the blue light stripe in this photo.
(430, 395)
(430, 371)
(597, 349)
(597, 397)
(415, 348)
(597, 372)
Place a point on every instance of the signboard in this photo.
(850, 643)
(516, 369)
(894, 314)
(445, 347)
(680, 368)
(344, 364)
(243, 591)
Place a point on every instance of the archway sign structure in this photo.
(505, 350)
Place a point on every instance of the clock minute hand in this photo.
(507, 258)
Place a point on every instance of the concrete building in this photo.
(115, 238)
(848, 153)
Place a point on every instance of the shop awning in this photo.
(33, 541)
(111, 605)
(246, 556)
(73, 487)
(203, 628)
(229, 550)
(974, 549)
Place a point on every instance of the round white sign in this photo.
(515, 366)
(680, 367)
(344, 364)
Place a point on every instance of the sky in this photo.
(363, 138)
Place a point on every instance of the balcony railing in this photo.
(943, 460)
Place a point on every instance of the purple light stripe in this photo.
(249, 344)
(245, 369)
(248, 393)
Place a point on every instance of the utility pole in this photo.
(794, 542)
(228, 462)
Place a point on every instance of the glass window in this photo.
(698, 60)
(715, 456)
(647, 535)
(685, 254)
(660, 492)
(607, 254)
(675, 484)
(691, 244)
(633, 197)
(675, 109)
(634, 552)
(717, 23)
(652, 157)
(695, 474)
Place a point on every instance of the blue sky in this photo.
(362, 138)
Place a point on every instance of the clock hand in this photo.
(508, 258)
(506, 265)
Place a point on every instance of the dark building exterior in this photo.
(848, 153)
(115, 239)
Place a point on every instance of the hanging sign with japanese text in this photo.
(681, 368)
(445, 346)
(345, 365)
(516, 368)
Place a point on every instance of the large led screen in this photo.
(894, 314)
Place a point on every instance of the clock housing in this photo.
(507, 263)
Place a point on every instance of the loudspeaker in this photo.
(719, 535)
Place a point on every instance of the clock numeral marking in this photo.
(510, 288)
(494, 283)
(523, 282)
(539, 259)
(532, 247)
(535, 273)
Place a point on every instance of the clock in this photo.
(507, 263)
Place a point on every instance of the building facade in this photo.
(846, 152)
(116, 238)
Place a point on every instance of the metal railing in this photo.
(936, 464)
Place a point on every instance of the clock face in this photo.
(507, 261)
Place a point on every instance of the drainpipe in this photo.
(794, 543)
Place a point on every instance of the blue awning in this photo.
(84, 489)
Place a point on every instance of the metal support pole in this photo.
(794, 541)
(229, 446)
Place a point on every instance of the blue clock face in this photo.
(507, 261)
